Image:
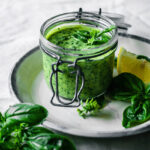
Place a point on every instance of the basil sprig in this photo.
(128, 87)
(94, 37)
(124, 86)
(91, 106)
(18, 130)
(137, 113)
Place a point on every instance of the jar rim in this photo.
(78, 52)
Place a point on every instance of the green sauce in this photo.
(97, 71)
(76, 37)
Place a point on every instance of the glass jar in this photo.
(94, 65)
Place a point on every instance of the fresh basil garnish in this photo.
(124, 86)
(106, 30)
(91, 106)
(94, 37)
(128, 87)
(47, 141)
(88, 108)
(18, 130)
(25, 113)
(138, 112)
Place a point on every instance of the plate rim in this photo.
(73, 131)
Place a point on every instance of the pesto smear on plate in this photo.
(97, 71)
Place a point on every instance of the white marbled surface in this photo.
(20, 21)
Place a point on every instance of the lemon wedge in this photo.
(128, 62)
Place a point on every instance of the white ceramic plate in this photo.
(28, 85)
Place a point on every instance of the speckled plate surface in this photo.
(28, 85)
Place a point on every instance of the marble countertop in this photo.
(19, 32)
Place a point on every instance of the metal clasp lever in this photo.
(55, 70)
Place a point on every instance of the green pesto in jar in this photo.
(97, 71)
(76, 37)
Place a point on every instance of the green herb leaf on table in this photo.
(47, 141)
(25, 113)
(22, 114)
(18, 130)
(14, 139)
(36, 129)
(124, 86)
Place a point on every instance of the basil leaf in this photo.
(128, 117)
(31, 114)
(19, 133)
(35, 130)
(137, 113)
(1, 120)
(124, 86)
(136, 102)
(91, 39)
(13, 139)
(27, 148)
(143, 57)
(47, 141)
(106, 30)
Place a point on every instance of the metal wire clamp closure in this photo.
(78, 72)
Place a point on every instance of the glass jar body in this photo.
(95, 64)
(97, 74)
